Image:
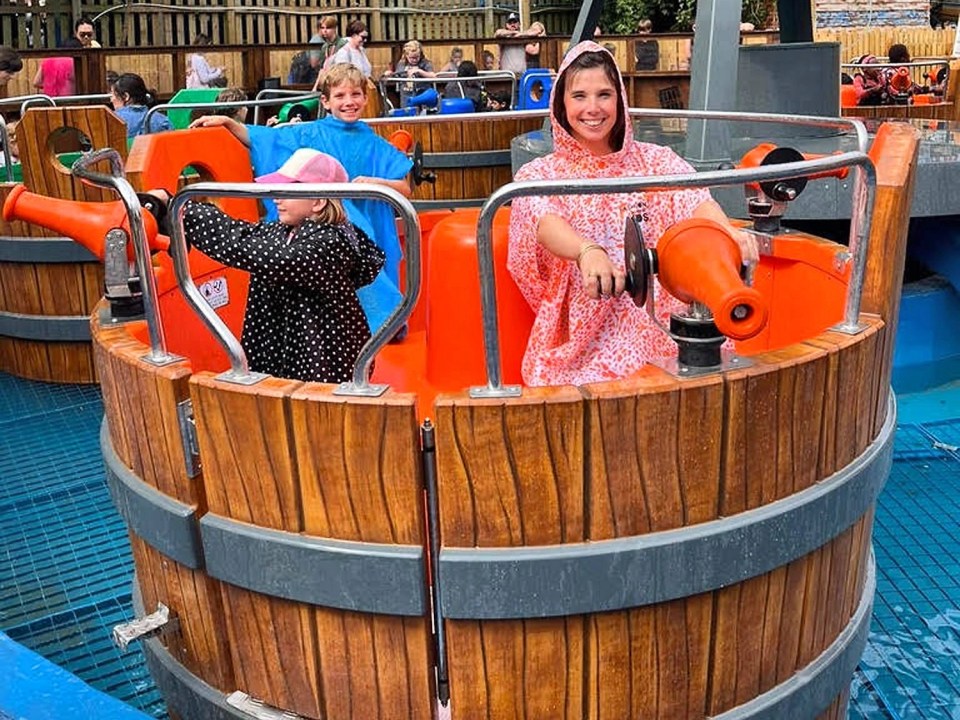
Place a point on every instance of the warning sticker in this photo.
(215, 292)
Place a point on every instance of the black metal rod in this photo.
(429, 454)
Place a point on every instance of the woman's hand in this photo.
(210, 121)
(601, 278)
(747, 242)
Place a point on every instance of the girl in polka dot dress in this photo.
(303, 319)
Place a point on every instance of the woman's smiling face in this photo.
(590, 101)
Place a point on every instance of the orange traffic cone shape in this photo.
(700, 262)
(85, 222)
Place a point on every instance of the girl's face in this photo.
(115, 100)
(293, 212)
(590, 102)
(412, 56)
(6, 76)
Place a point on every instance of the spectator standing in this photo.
(84, 36)
(513, 57)
(532, 49)
(200, 74)
(55, 77)
(352, 52)
(328, 37)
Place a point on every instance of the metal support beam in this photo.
(713, 78)
(587, 21)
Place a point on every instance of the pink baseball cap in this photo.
(307, 166)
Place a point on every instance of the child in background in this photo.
(303, 319)
(131, 101)
(367, 157)
(13, 150)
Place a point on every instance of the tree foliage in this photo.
(621, 17)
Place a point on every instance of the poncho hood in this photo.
(563, 142)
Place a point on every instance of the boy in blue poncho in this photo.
(367, 158)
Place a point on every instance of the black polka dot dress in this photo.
(303, 319)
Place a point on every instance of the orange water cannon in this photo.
(103, 228)
(767, 201)
(403, 141)
(697, 261)
(85, 222)
(899, 85)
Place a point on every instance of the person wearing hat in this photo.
(513, 56)
(303, 319)
(869, 83)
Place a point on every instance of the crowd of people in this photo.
(324, 274)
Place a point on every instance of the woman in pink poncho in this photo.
(566, 252)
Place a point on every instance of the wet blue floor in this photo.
(65, 564)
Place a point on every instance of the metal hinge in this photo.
(188, 437)
(258, 708)
(144, 627)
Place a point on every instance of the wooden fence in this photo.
(922, 42)
(263, 22)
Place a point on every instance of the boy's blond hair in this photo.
(343, 74)
(332, 213)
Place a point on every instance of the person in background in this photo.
(367, 157)
(489, 60)
(303, 320)
(226, 95)
(645, 26)
(12, 149)
(869, 83)
(84, 35)
(456, 57)
(467, 86)
(200, 74)
(532, 49)
(352, 52)
(566, 252)
(898, 54)
(55, 77)
(328, 37)
(131, 101)
(513, 55)
(412, 64)
(10, 65)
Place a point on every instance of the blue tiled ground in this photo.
(65, 563)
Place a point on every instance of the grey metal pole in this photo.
(713, 78)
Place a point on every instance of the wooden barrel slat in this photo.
(365, 486)
(241, 430)
(140, 406)
(511, 475)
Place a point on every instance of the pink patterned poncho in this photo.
(576, 339)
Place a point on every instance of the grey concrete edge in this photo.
(813, 688)
(467, 159)
(163, 523)
(356, 576)
(44, 250)
(607, 575)
(59, 328)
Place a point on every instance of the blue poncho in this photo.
(361, 152)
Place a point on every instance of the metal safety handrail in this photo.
(57, 101)
(255, 104)
(117, 182)
(863, 200)
(240, 370)
(281, 94)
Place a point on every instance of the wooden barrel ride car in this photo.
(49, 285)
(653, 546)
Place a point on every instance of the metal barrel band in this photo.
(58, 328)
(608, 575)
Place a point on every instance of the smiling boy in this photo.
(367, 157)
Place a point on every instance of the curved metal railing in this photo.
(483, 77)
(864, 190)
(239, 369)
(141, 250)
(57, 101)
(255, 104)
